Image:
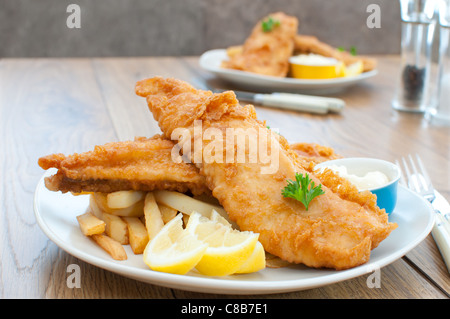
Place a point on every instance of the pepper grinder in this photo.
(418, 24)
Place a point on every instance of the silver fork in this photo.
(418, 180)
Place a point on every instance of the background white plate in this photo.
(211, 61)
(56, 215)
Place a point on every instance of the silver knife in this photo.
(295, 102)
(440, 231)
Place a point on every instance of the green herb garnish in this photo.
(302, 189)
(352, 50)
(269, 24)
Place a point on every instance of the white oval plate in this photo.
(211, 61)
(56, 215)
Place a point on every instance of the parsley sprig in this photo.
(269, 24)
(302, 189)
(352, 50)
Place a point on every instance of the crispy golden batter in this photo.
(143, 164)
(266, 52)
(312, 152)
(310, 44)
(339, 229)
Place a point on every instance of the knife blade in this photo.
(295, 102)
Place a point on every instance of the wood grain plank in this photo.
(46, 106)
(397, 281)
(427, 258)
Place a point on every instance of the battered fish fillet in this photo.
(315, 153)
(144, 164)
(267, 52)
(310, 44)
(339, 229)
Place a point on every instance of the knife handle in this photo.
(442, 239)
(292, 102)
(334, 104)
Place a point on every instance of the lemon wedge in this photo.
(257, 259)
(255, 262)
(353, 69)
(314, 66)
(228, 249)
(216, 217)
(173, 249)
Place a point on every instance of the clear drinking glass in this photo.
(440, 113)
(418, 24)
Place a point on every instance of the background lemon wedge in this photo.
(315, 66)
(301, 71)
(353, 69)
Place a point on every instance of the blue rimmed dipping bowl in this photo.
(360, 166)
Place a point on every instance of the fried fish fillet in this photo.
(310, 44)
(144, 164)
(267, 50)
(339, 229)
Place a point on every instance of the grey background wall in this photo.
(37, 28)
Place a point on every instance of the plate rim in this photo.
(216, 284)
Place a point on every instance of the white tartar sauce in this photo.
(369, 181)
(313, 59)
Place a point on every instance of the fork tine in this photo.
(414, 176)
(409, 179)
(424, 172)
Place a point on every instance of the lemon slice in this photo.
(353, 69)
(316, 72)
(173, 249)
(228, 249)
(216, 217)
(255, 262)
(314, 66)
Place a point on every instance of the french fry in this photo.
(94, 207)
(137, 234)
(134, 210)
(123, 199)
(112, 247)
(167, 213)
(186, 204)
(116, 228)
(153, 218)
(90, 224)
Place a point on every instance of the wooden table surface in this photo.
(70, 105)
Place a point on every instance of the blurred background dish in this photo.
(211, 61)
